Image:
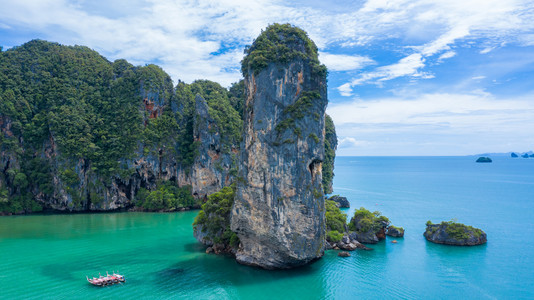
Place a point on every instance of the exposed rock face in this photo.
(341, 202)
(450, 233)
(279, 210)
(210, 172)
(364, 237)
(395, 231)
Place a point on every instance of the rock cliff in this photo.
(79, 133)
(279, 210)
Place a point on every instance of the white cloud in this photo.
(186, 37)
(446, 55)
(350, 142)
(486, 50)
(345, 90)
(435, 124)
(453, 20)
(342, 62)
(409, 65)
(478, 77)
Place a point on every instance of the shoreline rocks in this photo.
(347, 243)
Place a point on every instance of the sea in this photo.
(49, 256)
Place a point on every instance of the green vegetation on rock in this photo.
(454, 233)
(280, 43)
(365, 221)
(167, 197)
(460, 231)
(336, 221)
(330, 145)
(214, 218)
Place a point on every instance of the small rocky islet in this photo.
(453, 233)
(341, 201)
(484, 159)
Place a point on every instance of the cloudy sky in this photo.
(406, 77)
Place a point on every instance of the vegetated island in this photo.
(452, 233)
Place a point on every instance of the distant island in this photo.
(509, 154)
(484, 159)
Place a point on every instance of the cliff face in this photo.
(211, 170)
(279, 210)
(79, 133)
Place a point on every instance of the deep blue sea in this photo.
(497, 197)
(48, 256)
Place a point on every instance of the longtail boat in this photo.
(106, 280)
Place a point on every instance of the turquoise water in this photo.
(48, 256)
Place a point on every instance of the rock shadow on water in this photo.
(194, 247)
(211, 271)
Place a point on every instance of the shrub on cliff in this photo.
(214, 218)
(330, 145)
(336, 222)
(335, 219)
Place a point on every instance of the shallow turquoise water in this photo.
(48, 257)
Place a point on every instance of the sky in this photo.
(406, 77)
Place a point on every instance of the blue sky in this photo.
(406, 77)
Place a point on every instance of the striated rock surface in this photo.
(279, 210)
(452, 233)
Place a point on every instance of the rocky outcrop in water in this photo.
(279, 212)
(341, 202)
(368, 227)
(395, 231)
(452, 233)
